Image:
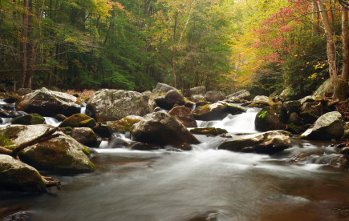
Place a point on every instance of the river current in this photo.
(202, 184)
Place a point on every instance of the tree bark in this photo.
(25, 39)
(345, 39)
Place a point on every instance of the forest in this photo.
(266, 46)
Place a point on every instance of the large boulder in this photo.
(329, 126)
(184, 115)
(85, 136)
(49, 103)
(110, 105)
(172, 98)
(78, 120)
(261, 101)
(271, 118)
(216, 111)
(162, 129)
(214, 96)
(60, 154)
(270, 142)
(200, 90)
(239, 96)
(163, 88)
(125, 124)
(325, 89)
(30, 119)
(16, 175)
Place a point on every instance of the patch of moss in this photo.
(209, 131)
(78, 120)
(6, 142)
(30, 119)
(262, 114)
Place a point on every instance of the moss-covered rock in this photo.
(78, 120)
(85, 136)
(208, 131)
(216, 111)
(271, 118)
(125, 124)
(16, 175)
(30, 119)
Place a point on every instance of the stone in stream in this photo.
(239, 96)
(16, 175)
(111, 105)
(125, 124)
(329, 126)
(163, 88)
(30, 119)
(160, 128)
(260, 101)
(172, 98)
(214, 96)
(271, 118)
(208, 131)
(216, 111)
(61, 154)
(49, 103)
(78, 120)
(270, 142)
(200, 90)
(184, 115)
(85, 136)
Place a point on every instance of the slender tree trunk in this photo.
(25, 39)
(315, 18)
(174, 51)
(345, 39)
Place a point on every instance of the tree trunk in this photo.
(345, 39)
(25, 39)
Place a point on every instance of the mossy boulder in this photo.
(16, 175)
(78, 120)
(271, 118)
(85, 136)
(270, 142)
(30, 119)
(184, 115)
(160, 128)
(125, 124)
(208, 131)
(216, 111)
(60, 154)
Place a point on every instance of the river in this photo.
(191, 186)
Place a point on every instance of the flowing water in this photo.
(190, 186)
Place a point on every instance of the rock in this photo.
(110, 105)
(11, 113)
(294, 119)
(16, 175)
(287, 94)
(60, 154)
(271, 118)
(325, 89)
(103, 130)
(60, 117)
(172, 98)
(270, 142)
(261, 101)
(160, 128)
(198, 98)
(216, 111)
(184, 115)
(85, 136)
(214, 96)
(163, 88)
(200, 90)
(239, 96)
(49, 103)
(24, 91)
(125, 124)
(78, 120)
(292, 106)
(208, 131)
(318, 156)
(30, 119)
(311, 110)
(329, 126)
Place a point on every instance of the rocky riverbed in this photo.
(136, 156)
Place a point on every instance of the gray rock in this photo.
(216, 111)
(328, 126)
(270, 142)
(214, 96)
(16, 175)
(239, 95)
(85, 136)
(271, 118)
(326, 88)
(200, 90)
(163, 88)
(49, 103)
(261, 101)
(160, 128)
(110, 105)
(172, 98)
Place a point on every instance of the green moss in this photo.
(6, 142)
(262, 114)
(86, 150)
(78, 120)
(30, 119)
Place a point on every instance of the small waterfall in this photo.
(5, 121)
(52, 121)
(83, 108)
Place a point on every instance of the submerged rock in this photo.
(271, 118)
(49, 103)
(78, 120)
(184, 115)
(216, 111)
(16, 175)
(110, 105)
(328, 126)
(30, 119)
(270, 142)
(160, 128)
(208, 131)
